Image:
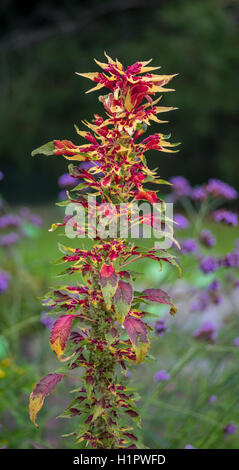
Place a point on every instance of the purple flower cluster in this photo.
(212, 399)
(62, 195)
(227, 217)
(201, 302)
(189, 246)
(230, 260)
(9, 220)
(206, 297)
(47, 321)
(207, 238)
(160, 327)
(218, 188)
(230, 428)
(9, 239)
(215, 286)
(32, 218)
(213, 290)
(67, 180)
(208, 265)
(4, 281)
(199, 194)
(161, 376)
(181, 221)
(181, 186)
(206, 332)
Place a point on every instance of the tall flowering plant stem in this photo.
(101, 329)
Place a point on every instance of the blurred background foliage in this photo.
(44, 43)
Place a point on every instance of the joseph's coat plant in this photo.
(101, 327)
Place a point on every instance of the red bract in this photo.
(109, 328)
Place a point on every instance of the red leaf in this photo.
(123, 299)
(41, 390)
(159, 296)
(107, 270)
(60, 333)
(138, 336)
(149, 196)
(108, 280)
(64, 147)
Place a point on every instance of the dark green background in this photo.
(43, 44)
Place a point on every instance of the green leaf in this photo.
(66, 250)
(47, 149)
(97, 412)
(79, 187)
(3, 347)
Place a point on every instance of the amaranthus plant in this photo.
(109, 328)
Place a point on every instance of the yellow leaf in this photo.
(97, 87)
(90, 75)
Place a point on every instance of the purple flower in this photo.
(218, 188)
(9, 239)
(230, 428)
(67, 180)
(206, 332)
(47, 321)
(32, 218)
(207, 238)
(161, 376)
(189, 246)
(181, 221)
(62, 195)
(236, 341)
(212, 398)
(227, 217)
(199, 193)
(160, 327)
(9, 220)
(88, 165)
(201, 303)
(128, 374)
(1, 176)
(230, 260)
(4, 281)
(181, 186)
(208, 265)
(188, 446)
(35, 220)
(214, 286)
